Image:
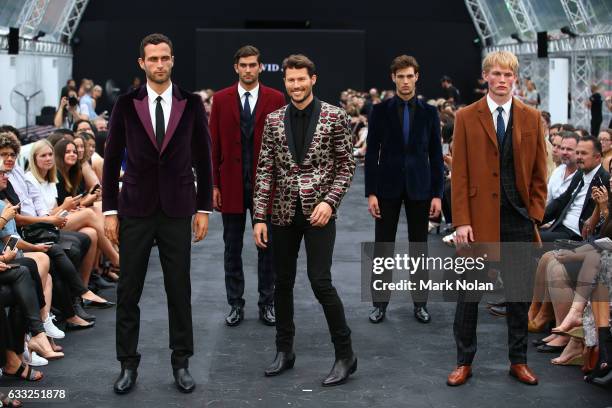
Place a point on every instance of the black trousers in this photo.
(64, 269)
(24, 292)
(319, 243)
(560, 232)
(517, 271)
(233, 237)
(417, 217)
(75, 244)
(173, 237)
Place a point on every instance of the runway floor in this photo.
(401, 363)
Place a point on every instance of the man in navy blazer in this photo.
(165, 133)
(403, 164)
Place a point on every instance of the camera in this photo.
(72, 101)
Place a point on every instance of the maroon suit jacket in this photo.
(226, 141)
(157, 178)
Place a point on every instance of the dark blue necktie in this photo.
(501, 129)
(406, 124)
(247, 105)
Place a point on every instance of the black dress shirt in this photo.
(300, 119)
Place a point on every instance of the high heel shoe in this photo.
(569, 323)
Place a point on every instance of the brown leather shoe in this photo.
(459, 376)
(523, 373)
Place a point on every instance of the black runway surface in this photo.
(401, 363)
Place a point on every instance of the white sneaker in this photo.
(32, 358)
(51, 330)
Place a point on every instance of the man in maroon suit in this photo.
(236, 124)
(164, 131)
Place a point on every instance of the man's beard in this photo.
(306, 95)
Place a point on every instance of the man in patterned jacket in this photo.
(306, 157)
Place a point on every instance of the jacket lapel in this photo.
(289, 133)
(484, 115)
(312, 126)
(141, 104)
(178, 107)
(234, 107)
(396, 126)
(260, 105)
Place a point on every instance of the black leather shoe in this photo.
(79, 311)
(421, 314)
(377, 315)
(126, 381)
(493, 303)
(340, 371)
(235, 316)
(498, 310)
(97, 305)
(72, 326)
(266, 315)
(283, 361)
(99, 282)
(538, 342)
(547, 348)
(183, 380)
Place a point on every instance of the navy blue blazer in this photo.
(392, 169)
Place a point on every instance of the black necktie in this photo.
(501, 128)
(160, 124)
(247, 106)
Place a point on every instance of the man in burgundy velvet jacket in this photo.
(164, 131)
(236, 124)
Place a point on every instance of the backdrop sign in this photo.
(338, 54)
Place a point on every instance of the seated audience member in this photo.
(43, 175)
(605, 138)
(32, 210)
(562, 176)
(600, 303)
(83, 126)
(83, 154)
(570, 210)
(100, 124)
(555, 140)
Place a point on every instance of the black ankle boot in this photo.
(604, 362)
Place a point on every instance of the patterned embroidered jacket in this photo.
(325, 173)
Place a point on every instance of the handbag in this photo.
(40, 232)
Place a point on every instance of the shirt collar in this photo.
(410, 101)
(254, 92)
(307, 111)
(166, 95)
(493, 105)
(588, 177)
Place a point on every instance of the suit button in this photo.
(494, 174)
(494, 195)
(495, 153)
(237, 160)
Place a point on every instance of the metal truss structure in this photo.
(46, 48)
(30, 17)
(483, 21)
(580, 14)
(70, 20)
(524, 18)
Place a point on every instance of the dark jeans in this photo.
(233, 237)
(417, 216)
(173, 237)
(319, 251)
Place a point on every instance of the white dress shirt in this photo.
(558, 183)
(505, 114)
(572, 218)
(166, 104)
(252, 99)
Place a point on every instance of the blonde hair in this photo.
(51, 176)
(504, 59)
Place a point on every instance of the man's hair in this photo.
(7, 139)
(404, 61)
(567, 126)
(446, 78)
(592, 139)
(299, 61)
(504, 59)
(569, 135)
(606, 130)
(556, 126)
(247, 51)
(59, 134)
(155, 39)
